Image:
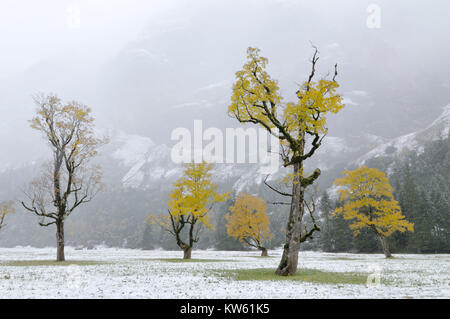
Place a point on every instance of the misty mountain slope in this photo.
(181, 65)
(415, 141)
(139, 174)
(145, 164)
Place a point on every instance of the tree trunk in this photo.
(289, 260)
(60, 241)
(187, 253)
(264, 252)
(385, 246)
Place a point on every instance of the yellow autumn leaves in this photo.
(192, 197)
(67, 126)
(5, 209)
(195, 193)
(316, 99)
(256, 98)
(190, 203)
(254, 90)
(248, 221)
(368, 201)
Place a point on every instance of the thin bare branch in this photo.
(274, 189)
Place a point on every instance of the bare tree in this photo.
(68, 180)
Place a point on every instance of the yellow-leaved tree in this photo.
(189, 204)
(248, 222)
(368, 201)
(300, 127)
(5, 209)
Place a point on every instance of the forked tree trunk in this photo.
(385, 246)
(264, 252)
(289, 260)
(60, 241)
(187, 253)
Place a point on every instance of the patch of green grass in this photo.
(342, 258)
(36, 263)
(180, 260)
(305, 275)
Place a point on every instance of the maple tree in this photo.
(248, 222)
(300, 127)
(68, 180)
(189, 205)
(368, 201)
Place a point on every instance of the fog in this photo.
(147, 67)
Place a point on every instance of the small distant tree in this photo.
(249, 222)
(5, 209)
(190, 203)
(368, 201)
(68, 180)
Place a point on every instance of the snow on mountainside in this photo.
(144, 160)
(148, 165)
(440, 128)
(134, 161)
(137, 162)
(336, 150)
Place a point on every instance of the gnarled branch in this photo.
(274, 189)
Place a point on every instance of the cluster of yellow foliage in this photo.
(194, 193)
(315, 100)
(68, 127)
(254, 90)
(192, 197)
(248, 220)
(256, 98)
(5, 209)
(368, 200)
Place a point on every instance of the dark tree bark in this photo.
(176, 227)
(289, 259)
(383, 240)
(60, 256)
(256, 243)
(264, 252)
(68, 182)
(2, 218)
(186, 248)
(296, 231)
(187, 253)
(385, 246)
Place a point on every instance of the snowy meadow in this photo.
(126, 273)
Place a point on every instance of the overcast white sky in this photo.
(33, 30)
(137, 62)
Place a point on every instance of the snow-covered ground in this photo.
(126, 273)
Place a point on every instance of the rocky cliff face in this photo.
(415, 141)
